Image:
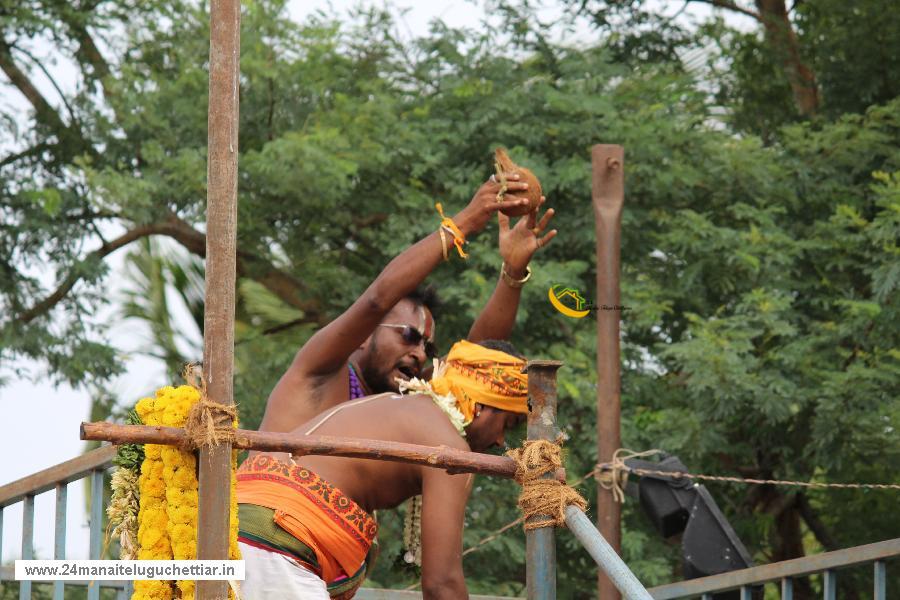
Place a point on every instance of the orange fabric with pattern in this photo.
(315, 512)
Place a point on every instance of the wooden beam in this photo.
(440, 457)
(221, 246)
(608, 196)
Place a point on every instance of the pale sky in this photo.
(39, 427)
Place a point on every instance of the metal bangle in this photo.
(443, 243)
(514, 283)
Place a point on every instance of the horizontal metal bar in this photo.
(65, 472)
(379, 594)
(8, 573)
(797, 567)
(604, 555)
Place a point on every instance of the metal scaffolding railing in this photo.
(91, 466)
(785, 572)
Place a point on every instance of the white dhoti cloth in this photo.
(274, 576)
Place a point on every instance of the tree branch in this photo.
(814, 523)
(53, 299)
(732, 6)
(285, 286)
(50, 78)
(89, 53)
(782, 38)
(45, 113)
(33, 151)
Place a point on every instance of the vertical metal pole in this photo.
(221, 232)
(540, 544)
(787, 589)
(880, 581)
(608, 197)
(829, 579)
(746, 592)
(2, 508)
(27, 542)
(96, 536)
(59, 537)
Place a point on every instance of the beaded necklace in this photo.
(356, 388)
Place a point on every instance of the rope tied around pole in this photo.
(543, 500)
(613, 476)
(208, 423)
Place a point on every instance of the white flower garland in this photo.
(446, 402)
(412, 524)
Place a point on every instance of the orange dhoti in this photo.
(335, 534)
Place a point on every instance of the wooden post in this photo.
(607, 162)
(540, 544)
(218, 320)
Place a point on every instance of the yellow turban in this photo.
(476, 374)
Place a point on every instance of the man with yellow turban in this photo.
(306, 524)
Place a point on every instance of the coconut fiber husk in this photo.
(543, 500)
(208, 423)
(504, 166)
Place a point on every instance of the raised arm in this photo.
(444, 500)
(328, 350)
(517, 245)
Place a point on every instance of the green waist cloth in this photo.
(257, 524)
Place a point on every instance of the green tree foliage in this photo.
(787, 61)
(762, 335)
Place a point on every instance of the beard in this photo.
(377, 379)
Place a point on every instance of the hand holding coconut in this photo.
(505, 166)
(474, 217)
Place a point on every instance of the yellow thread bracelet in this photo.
(458, 238)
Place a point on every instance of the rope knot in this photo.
(543, 499)
(613, 476)
(208, 423)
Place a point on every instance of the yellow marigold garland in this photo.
(167, 519)
(153, 520)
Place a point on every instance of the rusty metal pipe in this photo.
(540, 544)
(608, 196)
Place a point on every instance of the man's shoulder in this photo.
(430, 422)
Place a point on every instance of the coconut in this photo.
(504, 165)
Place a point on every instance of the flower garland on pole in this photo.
(168, 493)
(123, 505)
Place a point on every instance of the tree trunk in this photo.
(781, 37)
(788, 542)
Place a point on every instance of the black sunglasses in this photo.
(414, 337)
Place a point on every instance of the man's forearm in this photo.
(498, 317)
(404, 273)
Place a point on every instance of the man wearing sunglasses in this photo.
(388, 333)
(306, 523)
